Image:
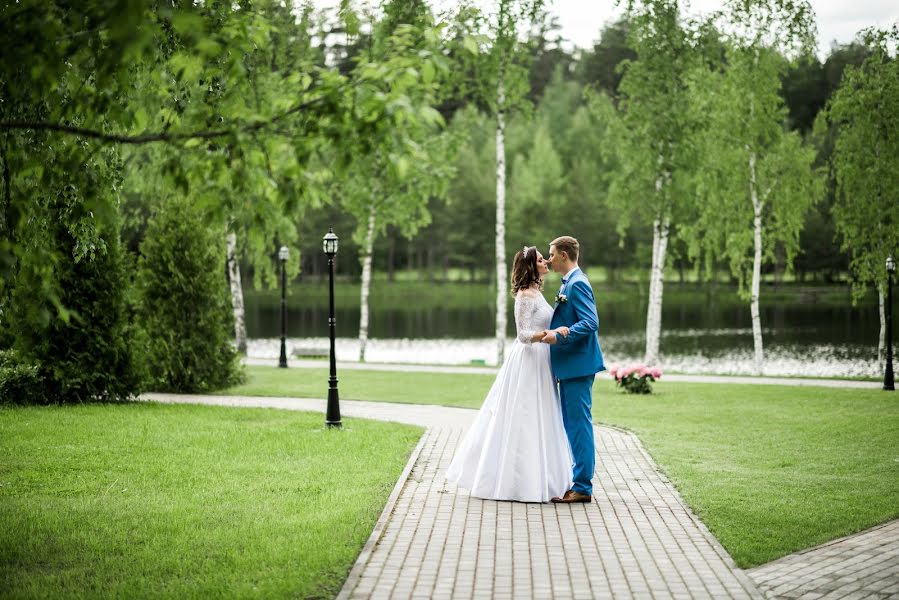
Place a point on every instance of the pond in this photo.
(812, 331)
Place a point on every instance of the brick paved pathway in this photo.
(865, 565)
(636, 540)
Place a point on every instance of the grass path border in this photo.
(741, 574)
(375, 537)
(786, 558)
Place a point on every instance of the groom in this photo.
(576, 359)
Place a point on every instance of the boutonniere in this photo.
(561, 299)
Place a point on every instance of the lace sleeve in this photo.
(525, 312)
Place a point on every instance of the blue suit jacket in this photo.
(578, 355)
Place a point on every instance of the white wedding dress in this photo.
(517, 448)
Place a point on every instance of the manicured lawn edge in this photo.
(359, 566)
(769, 469)
(151, 499)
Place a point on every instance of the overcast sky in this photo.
(839, 20)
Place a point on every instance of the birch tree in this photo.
(496, 64)
(865, 166)
(654, 139)
(405, 160)
(757, 180)
(240, 326)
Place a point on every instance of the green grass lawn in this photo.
(770, 469)
(146, 500)
(447, 389)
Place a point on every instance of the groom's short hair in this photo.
(568, 245)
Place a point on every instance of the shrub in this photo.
(19, 383)
(635, 379)
(183, 304)
(81, 347)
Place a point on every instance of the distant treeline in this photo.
(552, 143)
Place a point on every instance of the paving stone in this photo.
(635, 540)
(858, 566)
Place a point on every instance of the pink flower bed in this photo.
(635, 378)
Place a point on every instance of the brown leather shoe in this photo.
(571, 497)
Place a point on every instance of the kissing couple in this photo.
(532, 440)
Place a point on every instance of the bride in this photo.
(517, 448)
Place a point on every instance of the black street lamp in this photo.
(332, 419)
(282, 254)
(888, 383)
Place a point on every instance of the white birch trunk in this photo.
(366, 283)
(660, 228)
(882, 342)
(240, 327)
(756, 265)
(501, 272)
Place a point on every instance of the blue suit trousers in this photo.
(577, 399)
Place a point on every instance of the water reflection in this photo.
(684, 322)
(803, 334)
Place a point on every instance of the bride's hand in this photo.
(563, 331)
(538, 337)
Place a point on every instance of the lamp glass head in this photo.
(329, 242)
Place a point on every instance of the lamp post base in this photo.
(282, 360)
(332, 417)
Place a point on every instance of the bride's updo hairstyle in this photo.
(524, 269)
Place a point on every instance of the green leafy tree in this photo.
(58, 72)
(234, 105)
(758, 180)
(406, 160)
(499, 59)
(819, 256)
(88, 354)
(865, 114)
(139, 75)
(654, 140)
(557, 110)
